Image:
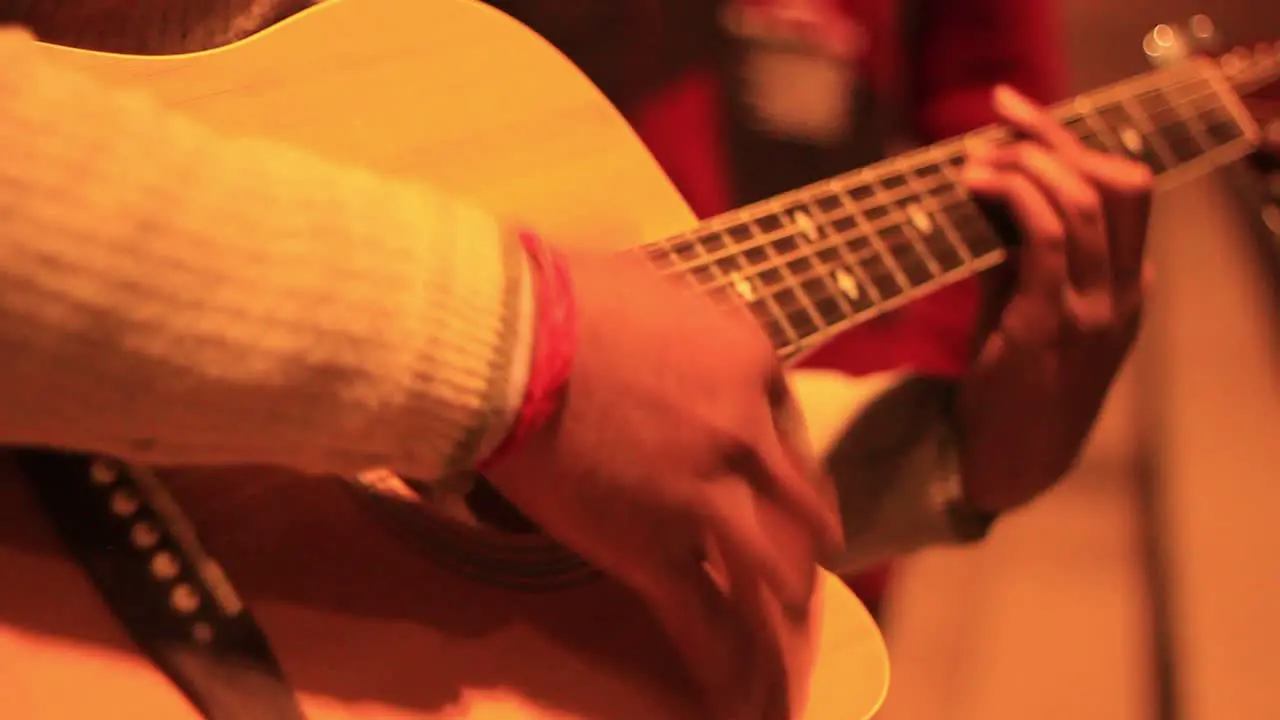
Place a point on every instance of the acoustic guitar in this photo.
(422, 605)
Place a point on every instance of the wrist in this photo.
(547, 353)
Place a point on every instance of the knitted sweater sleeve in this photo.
(168, 295)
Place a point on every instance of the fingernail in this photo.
(977, 173)
(979, 150)
(1012, 102)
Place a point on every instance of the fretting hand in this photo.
(1035, 390)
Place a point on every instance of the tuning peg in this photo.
(1204, 35)
(1235, 61)
(1165, 45)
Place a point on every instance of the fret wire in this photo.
(1150, 132)
(1198, 110)
(840, 242)
(841, 186)
(821, 271)
(903, 220)
(821, 219)
(1227, 96)
(886, 257)
(806, 304)
(852, 260)
(873, 253)
(836, 241)
(880, 306)
(767, 239)
(1100, 128)
(729, 282)
(941, 154)
(946, 152)
(770, 294)
(930, 205)
(1200, 104)
(1189, 119)
(954, 236)
(726, 282)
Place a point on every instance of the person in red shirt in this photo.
(932, 64)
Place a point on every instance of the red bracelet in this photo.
(555, 341)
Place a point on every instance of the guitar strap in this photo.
(147, 564)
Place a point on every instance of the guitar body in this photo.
(365, 624)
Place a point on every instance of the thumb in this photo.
(715, 624)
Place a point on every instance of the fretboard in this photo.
(822, 258)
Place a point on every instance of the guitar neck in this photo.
(819, 259)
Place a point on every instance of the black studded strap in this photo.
(135, 545)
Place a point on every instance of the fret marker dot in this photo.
(164, 566)
(805, 224)
(743, 287)
(920, 219)
(184, 599)
(124, 503)
(847, 284)
(1132, 140)
(103, 473)
(144, 535)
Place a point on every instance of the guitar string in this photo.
(808, 290)
(1170, 101)
(883, 202)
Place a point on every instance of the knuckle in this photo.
(1025, 154)
(1129, 315)
(1085, 203)
(1092, 315)
(742, 452)
(1134, 180)
(1050, 233)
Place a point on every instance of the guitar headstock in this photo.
(1248, 69)
(1252, 69)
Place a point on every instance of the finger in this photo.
(1125, 184)
(1077, 203)
(1126, 189)
(767, 693)
(1031, 119)
(760, 542)
(715, 634)
(1271, 138)
(820, 504)
(1042, 275)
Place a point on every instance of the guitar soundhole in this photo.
(465, 525)
(491, 508)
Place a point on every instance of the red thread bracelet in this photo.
(555, 342)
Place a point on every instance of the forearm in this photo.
(173, 297)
